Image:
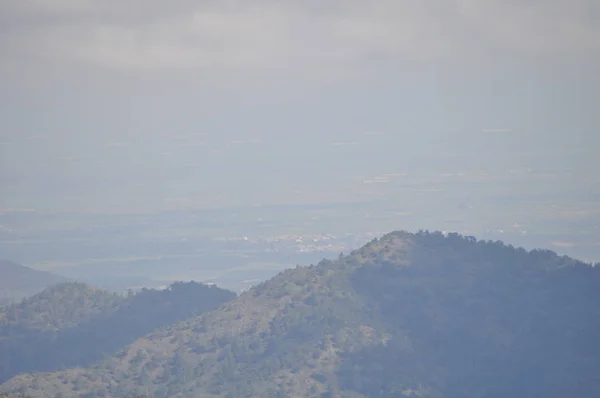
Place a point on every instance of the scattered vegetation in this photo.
(408, 315)
(74, 325)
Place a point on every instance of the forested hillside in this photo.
(57, 307)
(422, 315)
(75, 325)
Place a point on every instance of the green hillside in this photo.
(75, 325)
(421, 315)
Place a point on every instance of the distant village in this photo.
(305, 243)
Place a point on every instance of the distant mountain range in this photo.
(18, 281)
(408, 315)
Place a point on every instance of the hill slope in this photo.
(72, 324)
(422, 315)
(57, 307)
(19, 281)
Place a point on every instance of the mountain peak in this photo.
(424, 314)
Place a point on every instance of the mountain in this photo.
(58, 307)
(19, 281)
(73, 324)
(421, 315)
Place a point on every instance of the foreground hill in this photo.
(58, 307)
(18, 281)
(73, 324)
(423, 315)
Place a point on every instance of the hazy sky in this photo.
(124, 103)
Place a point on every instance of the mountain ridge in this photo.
(73, 324)
(425, 314)
(19, 281)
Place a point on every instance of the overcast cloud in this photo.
(93, 91)
(269, 35)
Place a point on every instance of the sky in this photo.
(143, 104)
